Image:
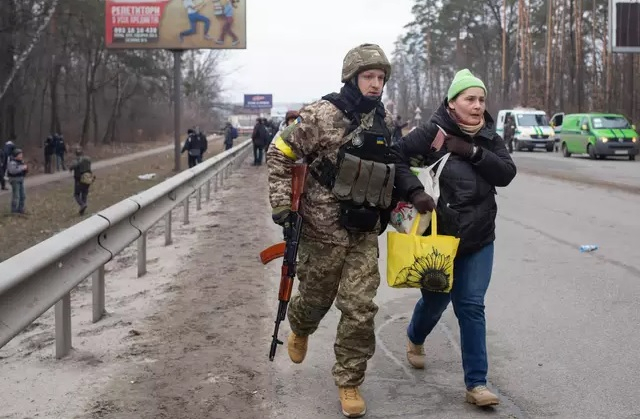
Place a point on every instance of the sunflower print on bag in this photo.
(431, 271)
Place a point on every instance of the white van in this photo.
(532, 128)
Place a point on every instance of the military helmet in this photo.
(365, 57)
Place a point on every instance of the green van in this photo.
(597, 134)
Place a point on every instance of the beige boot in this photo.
(297, 346)
(415, 355)
(353, 405)
(481, 396)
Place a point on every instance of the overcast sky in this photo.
(295, 47)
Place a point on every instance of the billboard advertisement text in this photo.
(176, 24)
(258, 101)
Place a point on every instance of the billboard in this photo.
(176, 24)
(258, 101)
(624, 25)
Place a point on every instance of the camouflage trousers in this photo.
(349, 275)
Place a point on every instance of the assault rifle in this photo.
(288, 250)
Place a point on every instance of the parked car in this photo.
(532, 128)
(597, 134)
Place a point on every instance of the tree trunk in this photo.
(504, 52)
(547, 90)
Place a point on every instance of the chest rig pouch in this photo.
(362, 180)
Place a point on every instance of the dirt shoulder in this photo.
(51, 207)
(179, 342)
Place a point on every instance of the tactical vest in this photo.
(362, 180)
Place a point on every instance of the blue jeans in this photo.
(194, 18)
(472, 274)
(17, 195)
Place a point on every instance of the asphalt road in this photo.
(562, 325)
(614, 172)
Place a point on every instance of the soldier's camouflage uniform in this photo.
(332, 262)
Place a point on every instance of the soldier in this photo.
(343, 211)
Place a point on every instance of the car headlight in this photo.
(634, 139)
(604, 139)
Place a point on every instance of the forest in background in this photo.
(547, 54)
(57, 76)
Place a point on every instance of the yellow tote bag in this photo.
(421, 261)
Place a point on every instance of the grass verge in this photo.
(51, 207)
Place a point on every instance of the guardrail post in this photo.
(186, 211)
(199, 199)
(97, 287)
(142, 254)
(63, 326)
(215, 183)
(208, 190)
(167, 229)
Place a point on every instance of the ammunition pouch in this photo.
(358, 218)
(364, 182)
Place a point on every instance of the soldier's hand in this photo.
(416, 161)
(422, 201)
(280, 215)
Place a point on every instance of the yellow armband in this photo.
(285, 148)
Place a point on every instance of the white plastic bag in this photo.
(404, 213)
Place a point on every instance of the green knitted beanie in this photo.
(462, 81)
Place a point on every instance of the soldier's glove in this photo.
(422, 201)
(280, 215)
(416, 161)
(458, 146)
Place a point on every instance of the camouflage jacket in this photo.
(321, 130)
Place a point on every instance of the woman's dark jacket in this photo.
(467, 206)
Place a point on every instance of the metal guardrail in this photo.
(44, 275)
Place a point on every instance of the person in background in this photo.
(16, 171)
(49, 151)
(397, 132)
(60, 150)
(204, 143)
(230, 134)
(509, 130)
(466, 208)
(3, 169)
(83, 178)
(193, 148)
(260, 138)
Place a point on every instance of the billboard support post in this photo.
(177, 106)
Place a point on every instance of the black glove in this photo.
(280, 215)
(458, 146)
(422, 201)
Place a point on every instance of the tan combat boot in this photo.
(297, 346)
(415, 355)
(481, 396)
(353, 405)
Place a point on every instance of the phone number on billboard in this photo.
(135, 35)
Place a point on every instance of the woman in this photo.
(466, 209)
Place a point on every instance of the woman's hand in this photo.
(458, 146)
